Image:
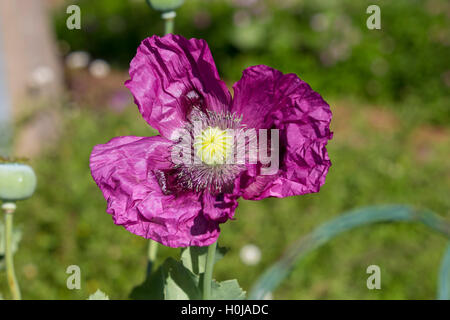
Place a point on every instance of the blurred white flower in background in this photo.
(268, 296)
(77, 59)
(337, 50)
(241, 18)
(244, 3)
(250, 254)
(99, 68)
(202, 19)
(42, 76)
(319, 22)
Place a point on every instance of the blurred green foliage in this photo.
(326, 42)
(65, 222)
(378, 156)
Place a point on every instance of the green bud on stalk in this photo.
(17, 181)
(165, 5)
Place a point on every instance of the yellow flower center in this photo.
(213, 145)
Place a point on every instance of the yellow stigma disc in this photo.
(213, 145)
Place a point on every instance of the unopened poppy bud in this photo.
(17, 181)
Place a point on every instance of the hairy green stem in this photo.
(9, 209)
(207, 280)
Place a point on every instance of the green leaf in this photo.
(98, 295)
(194, 258)
(16, 237)
(181, 283)
(152, 288)
(227, 290)
(182, 280)
(171, 281)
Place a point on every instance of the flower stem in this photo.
(169, 21)
(9, 209)
(152, 251)
(207, 280)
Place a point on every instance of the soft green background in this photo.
(388, 90)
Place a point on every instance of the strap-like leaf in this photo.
(444, 276)
(273, 276)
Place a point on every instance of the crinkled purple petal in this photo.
(219, 208)
(124, 169)
(169, 76)
(269, 99)
(259, 92)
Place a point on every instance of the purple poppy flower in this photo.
(175, 83)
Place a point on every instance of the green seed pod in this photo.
(17, 181)
(165, 5)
